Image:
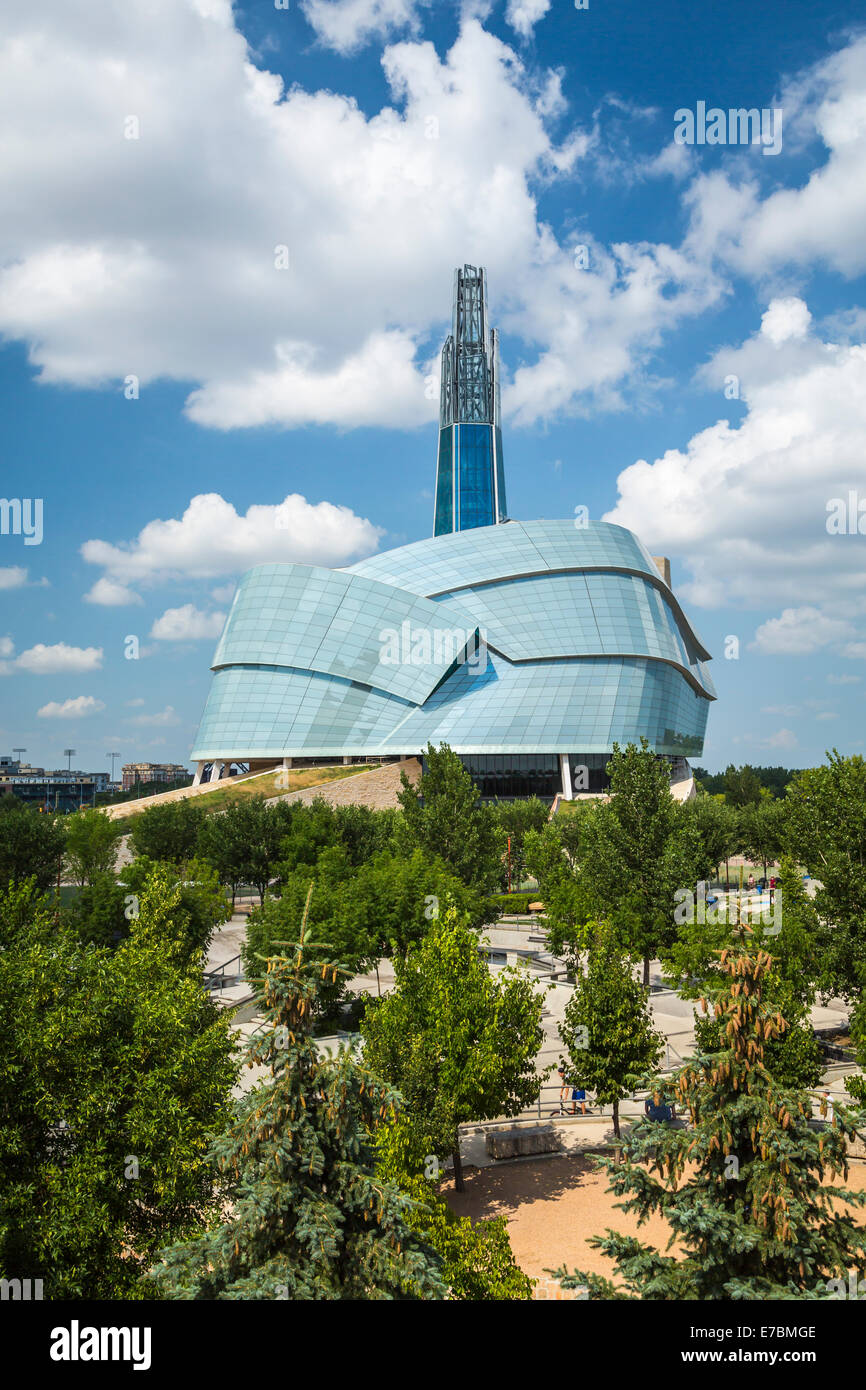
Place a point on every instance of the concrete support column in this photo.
(216, 772)
(347, 762)
(287, 763)
(565, 770)
(199, 769)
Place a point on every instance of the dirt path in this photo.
(552, 1206)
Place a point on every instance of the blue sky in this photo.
(225, 274)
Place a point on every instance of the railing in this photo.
(551, 1106)
(218, 977)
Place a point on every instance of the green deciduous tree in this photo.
(742, 785)
(445, 818)
(635, 851)
(167, 832)
(825, 819)
(310, 1218)
(99, 912)
(91, 845)
(199, 903)
(31, 844)
(762, 831)
(459, 1044)
(116, 1070)
(607, 1030)
(744, 1188)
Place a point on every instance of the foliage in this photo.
(718, 829)
(514, 820)
(772, 779)
(445, 818)
(168, 832)
(606, 1029)
(753, 1216)
(459, 1044)
(309, 1216)
(31, 844)
(826, 831)
(99, 912)
(91, 845)
(478, 1264)
(762, 831)
(378, 909)
(635, 851)
(199, 903)
(116, 1069)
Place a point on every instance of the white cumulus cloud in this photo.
(12, 577)
(43, 660)
(746, 506)
(523, 15)
(346, 25)
(187, 624)
(75, 708)
(109, 594)
(164, 719)
(203, 248)
(212, 539)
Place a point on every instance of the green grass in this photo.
(262, 784)
(267, 784)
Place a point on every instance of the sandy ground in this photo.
(552, 1206)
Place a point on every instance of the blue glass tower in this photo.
(470, 480)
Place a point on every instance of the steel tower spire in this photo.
(470, 479)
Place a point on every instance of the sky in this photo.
(226, 262)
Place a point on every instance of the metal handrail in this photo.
(216, 978)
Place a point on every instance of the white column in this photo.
(216, 771)
(565, 770)
(199, 769)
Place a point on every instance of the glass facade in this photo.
(585, 649)
(526, 774)
(445, 484)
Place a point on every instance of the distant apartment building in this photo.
(143, 773)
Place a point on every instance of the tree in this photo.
(444, 817)
(762, 831)
(742, 785)
(718, 828)
(825, 816)
(755, 1218)
(168, 832)
(116, 1070)
(222, 843)
(99, 912)
(478, 1264)
(606, 1029)
(199, 902)
(309, 1218)
(459, 1044)
(31, 844)
(515, 820)
(91, 845)
(788, 935)
(635, 851)
(257, 830)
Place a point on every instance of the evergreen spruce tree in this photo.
(754, 1218)
(307, 1215)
